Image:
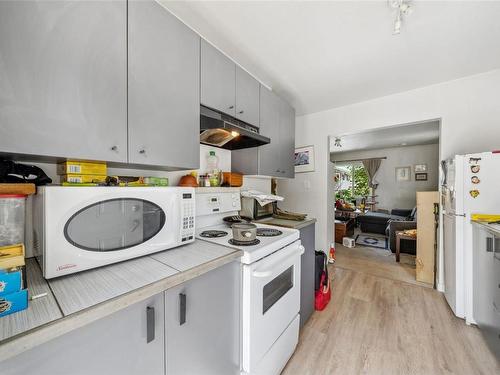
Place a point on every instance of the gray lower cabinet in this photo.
(276, 159)
(164, 88)
(130, 341)
(202, 324)
(218, 75)
(486, 286)
(247, 97)
(307, 265)
(63, 74)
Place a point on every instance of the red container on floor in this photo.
(323, 294)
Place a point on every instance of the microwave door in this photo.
(114, 224)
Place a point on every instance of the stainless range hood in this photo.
(220, 130)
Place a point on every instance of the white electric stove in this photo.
(270, 282)
(269, 239)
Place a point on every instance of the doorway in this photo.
(377, 180)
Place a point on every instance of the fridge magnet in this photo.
(475, 180)
(475, 168)
(474, 193)
(420, 176)
(474, 160)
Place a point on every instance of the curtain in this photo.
(372, 166)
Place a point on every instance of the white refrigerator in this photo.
(471, 185)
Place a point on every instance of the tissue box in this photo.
(10, 282)
(13, 302)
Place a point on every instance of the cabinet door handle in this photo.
(142, 151)
(231, 106)
(114, 148)
(182, 308)
(150, 324)
(241, 112)
(489, 244)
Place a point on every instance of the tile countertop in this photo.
(287, 223)
(76, 300)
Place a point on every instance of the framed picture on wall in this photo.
(304, 159)
(403, 174)
(420, 168)
(420, 176)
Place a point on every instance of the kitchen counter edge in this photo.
(31, 338)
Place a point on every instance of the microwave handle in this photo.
(267, 270)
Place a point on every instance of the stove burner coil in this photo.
(268, 232)
(213, 234)
(244, 243)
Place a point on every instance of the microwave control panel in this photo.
(188, 214)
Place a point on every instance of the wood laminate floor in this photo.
(378, 326)
(378, 262)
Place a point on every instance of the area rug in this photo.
(372, 240)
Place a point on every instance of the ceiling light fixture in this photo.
(338, 142)
(401, 9)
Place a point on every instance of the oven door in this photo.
(271, 300)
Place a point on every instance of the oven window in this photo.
(277, 288)
(114, 224)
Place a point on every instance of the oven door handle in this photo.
(268, 268)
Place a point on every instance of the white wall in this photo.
(469, 109)
(391, 193)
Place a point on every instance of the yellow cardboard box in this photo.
(83, 178)
(82, 167)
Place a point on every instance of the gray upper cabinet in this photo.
(164, 88)
(128, 342)
(276, 159)
(270, 110)
(287, 139)
(217, 80)
(247, 97)
(63, 74)
(202, 324)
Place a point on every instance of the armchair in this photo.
(393, 226)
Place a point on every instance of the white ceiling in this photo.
(321, 55)
(394, 136)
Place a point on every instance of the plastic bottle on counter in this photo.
(212, 162)
(214, 172)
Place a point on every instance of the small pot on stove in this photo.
(244, 232)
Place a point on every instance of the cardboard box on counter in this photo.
(13, 302)
(82, 168)
(83, 178)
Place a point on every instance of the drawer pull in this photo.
(182, 308)
(150, 324)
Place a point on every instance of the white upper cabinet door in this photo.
(217, 80)
(164, 88)
(63, 79)
(247, 97)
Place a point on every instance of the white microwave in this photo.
(78, 228)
